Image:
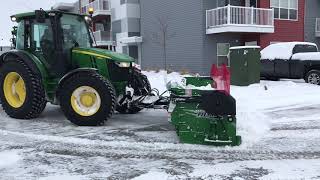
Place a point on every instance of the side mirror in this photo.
(14, 31)
(40, 16)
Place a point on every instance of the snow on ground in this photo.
(278, 121)
(8, 158)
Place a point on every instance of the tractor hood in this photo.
(105, 54)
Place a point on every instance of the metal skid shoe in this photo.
(203, 116)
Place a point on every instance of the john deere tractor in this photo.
(54, 61)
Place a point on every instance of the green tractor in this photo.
(54, 61)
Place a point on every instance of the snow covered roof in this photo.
(313, 56)
(281, 50)
(245, 47)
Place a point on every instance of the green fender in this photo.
(31, 60)
(68, 75)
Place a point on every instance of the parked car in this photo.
(292, 60)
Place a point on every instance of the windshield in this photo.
(75, 32)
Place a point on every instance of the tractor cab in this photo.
(51, 36)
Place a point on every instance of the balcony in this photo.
(318, 27)
(239, 19)
(101, 7)
(103, 38)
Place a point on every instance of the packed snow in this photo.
(278, 121)
(9, 159)
(312, 56)
(281, 50)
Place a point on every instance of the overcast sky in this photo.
(10, 7)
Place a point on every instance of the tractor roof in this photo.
(27, 15)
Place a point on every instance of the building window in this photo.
(222, 3)
(285, 9)
(223, 53)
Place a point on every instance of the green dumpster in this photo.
(245, 65)
(203, 115)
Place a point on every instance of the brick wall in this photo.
(285, 30)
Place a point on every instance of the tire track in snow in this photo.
(123, 149)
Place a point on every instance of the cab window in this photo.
(75, 32)
(20, 36)
(42, 37)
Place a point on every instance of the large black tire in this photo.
(140, 84)
(101, 85)
(142, 87)
(35, 100)
(313, 77)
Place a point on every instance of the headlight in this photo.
(123, 64)
(87, 18)
(13, 19)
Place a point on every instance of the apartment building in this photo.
(312, 21)
(193, 34)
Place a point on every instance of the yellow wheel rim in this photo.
(14, 89)
(85, 101)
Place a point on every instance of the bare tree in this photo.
(163, 36)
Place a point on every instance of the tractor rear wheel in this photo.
(87, 99)
(142, 87)
(22, 92)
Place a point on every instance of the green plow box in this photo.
(203, 115)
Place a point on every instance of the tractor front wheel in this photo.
(22, 92)
(87, 99)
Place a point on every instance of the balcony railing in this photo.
(100, 7)
(103, 37)
(318, 27)
(239, 19)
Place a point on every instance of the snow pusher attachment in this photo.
(203, 115)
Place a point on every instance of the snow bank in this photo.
(281, 50)
(8, 158)
(252, 123)
(256, 101)
(160, 79)
(312, 56)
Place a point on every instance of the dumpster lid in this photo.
(245, 47)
